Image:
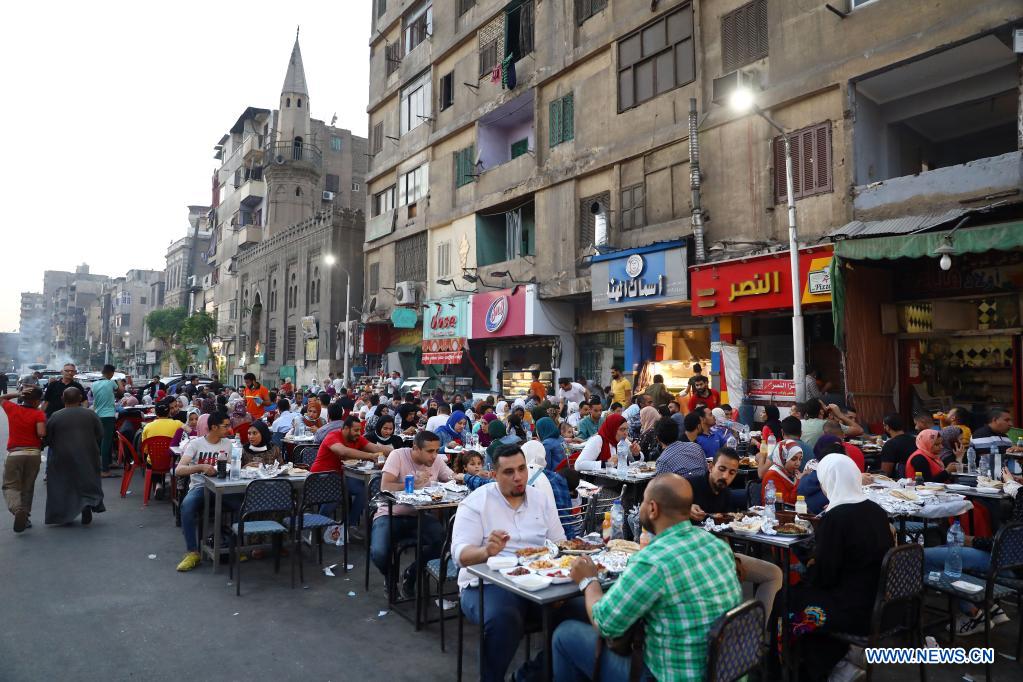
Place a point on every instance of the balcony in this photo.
(381, 225)
(251, 192)
(291, 153)
(509, 174)
(253, 149)
(250, 234)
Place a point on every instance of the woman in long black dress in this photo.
(838, 594)
(73, 484)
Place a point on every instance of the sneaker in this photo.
(969, 625)
(190, 561)
(845, 672)
(998, 615)
(20, 520)
(86, 516)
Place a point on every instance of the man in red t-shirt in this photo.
(347, 443)
(27, 428)
(702, 394)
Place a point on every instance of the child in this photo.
(468, 468)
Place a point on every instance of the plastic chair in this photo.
(127, 453)
(325, 487)
(901, 582)
(262, 497)
(157, 448)
(441, 571)
(735, 643)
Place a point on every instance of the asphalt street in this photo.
(104, 602)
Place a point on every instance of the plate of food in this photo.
(545, 564)
(904, 494)
(624, 546)
(613, 562)
(748, 525)
(747, 461)
(578, 546)
(528, 554)
(516, 571)
(558, 576)
(791, 529)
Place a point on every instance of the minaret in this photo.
(293, 173)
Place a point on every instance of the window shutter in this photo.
(555, 123)
(797, 166)
(823, 157)
(567, 118)
(458, 168)
(807, 143)
(779, 171)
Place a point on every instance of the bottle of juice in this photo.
(605, 530)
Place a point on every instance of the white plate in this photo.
(964, 586)
(988, 491)
(561, 575)
(959, 486)
(533, 582)
(505, 572)
(496, 563)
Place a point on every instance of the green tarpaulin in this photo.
(1002, 237)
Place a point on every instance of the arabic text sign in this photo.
(446, 318)
(640, 279)
(767, 389)
(760, 283)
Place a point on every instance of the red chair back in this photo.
(158, 449)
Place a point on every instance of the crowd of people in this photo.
(521, 461)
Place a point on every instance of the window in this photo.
(335, 143)
(299, 102)
(383, 201)
(519, 29)
(505, 236)
(293, 291)
(381, 8)
(491, 45)
(298, 191)
(356, 187)
(447, 91)
(418, 26)
(811, 162)
(289, 345)
(392, 57)
(142, 300)
(415, 103)
(374, 278)
(332, 183)
(632, 207)
(413, 185)
(465, 165)
(273, 294)
(519, 147)
(562, 120)
(464, 6)
(744, 35)
(271, 345)
(377, 138)
(443, 259)
(655, 59)
(588, 219)
(584, 9)
(410, 259)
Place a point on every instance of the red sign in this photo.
(443, 345)
(438, 322)
(760, 282)
(499, 314)
(769, 389)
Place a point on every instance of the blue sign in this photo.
(645, 276)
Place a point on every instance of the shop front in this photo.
(516, 333)
(649, 286)
(446, 353)
(751, 301)
(405, 351)
(921, 338)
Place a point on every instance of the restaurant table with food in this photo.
(541, 575)
(218, 487)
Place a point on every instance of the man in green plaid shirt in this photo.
(678, 586)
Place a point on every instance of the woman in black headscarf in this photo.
(259, 445)
(407, 413)
(383, 433)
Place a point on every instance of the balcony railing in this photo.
(290, 152)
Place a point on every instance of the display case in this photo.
(675, 372)
(515, 383)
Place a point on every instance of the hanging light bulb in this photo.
(945, 250)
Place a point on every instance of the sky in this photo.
(111, 110)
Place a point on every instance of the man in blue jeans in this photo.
(422, 463)
(200, 459)
(498, 520)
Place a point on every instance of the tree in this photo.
(183, 358)
(166, 324)
(200, 328)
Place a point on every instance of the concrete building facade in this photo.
(32, 345)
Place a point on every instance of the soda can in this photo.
(410, 484)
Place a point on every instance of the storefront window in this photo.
(675, 353)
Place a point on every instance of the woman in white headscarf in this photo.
(841, 484)
(501, 410)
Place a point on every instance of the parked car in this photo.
(173, 381)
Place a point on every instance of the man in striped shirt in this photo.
(678, 586)
(986, 438)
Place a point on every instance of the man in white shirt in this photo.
(338, 385)
(394, 383)
(498, 520)
(570, 392)
(439, 419)
(284, 420)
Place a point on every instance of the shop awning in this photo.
(1000, 237)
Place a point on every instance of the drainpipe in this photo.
(694, 182)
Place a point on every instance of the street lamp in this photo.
(742, 100)
(329, 260)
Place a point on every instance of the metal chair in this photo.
(735, 643)
(901, 582)
(372, 504)
(573, 518)
(325, 487)
(442, 571)
(752, 494)
(263, 497)
(304, 454)
(598, 505)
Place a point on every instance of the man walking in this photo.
(73, 483)
(256, 397)
(53, 396)
(26, 429)
(103, 405)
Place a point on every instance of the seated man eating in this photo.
(678, 586)
(498, 520)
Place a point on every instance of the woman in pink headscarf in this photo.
(926, 459)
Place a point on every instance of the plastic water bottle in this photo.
(971, 460)
(770, 497)
(236, 460)
(617, 521)
(996, 463)
(982, 467)
(772, 444)
(623, 457)
(954, 558)
(731, 442)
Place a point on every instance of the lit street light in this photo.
(742, 100)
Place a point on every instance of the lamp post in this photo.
(330, 260)
(742, 100)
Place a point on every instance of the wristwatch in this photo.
(585, 582)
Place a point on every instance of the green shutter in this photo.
(567, 118)
(555, 122)
(470, 163)
(519, 148)
(458, 168)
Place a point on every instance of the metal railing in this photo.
(284, 152)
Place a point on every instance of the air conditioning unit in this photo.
(328, 196)
(405, 293)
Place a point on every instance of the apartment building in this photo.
(32, 347)
(186, 262)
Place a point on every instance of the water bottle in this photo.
(731, 442)
(996, 463)
(623, 457)
(236, 459)
(982, 467)
(617, 521)
(770, 497)
(954, 558)
(971, 460)
(772, 444)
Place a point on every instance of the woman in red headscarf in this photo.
(926, 459)
(601, 447)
